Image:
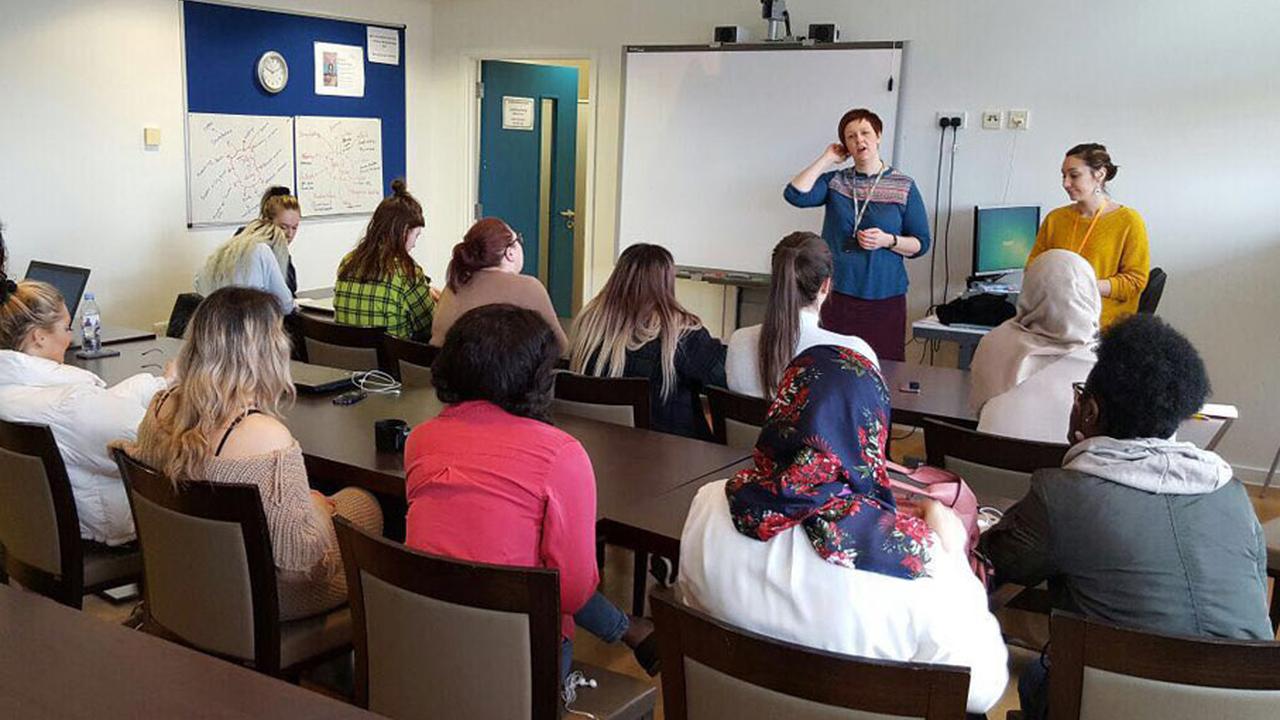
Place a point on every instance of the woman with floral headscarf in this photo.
(810, 546)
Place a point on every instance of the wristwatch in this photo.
(895, 242)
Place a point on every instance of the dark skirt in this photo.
(882, 323)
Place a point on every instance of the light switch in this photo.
(151, 137)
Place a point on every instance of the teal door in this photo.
(528, 136)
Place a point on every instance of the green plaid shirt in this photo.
(401, 305)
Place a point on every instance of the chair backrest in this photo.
(621, 401)
(209, 578)
(993, 465)
(410, 361)
(39, 525)
(348, 347)
(183, 308)
(1151, 294)
(713, 670)
(736, 419)
(1106, 671)
(436, 637)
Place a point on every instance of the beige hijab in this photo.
(1058, 313)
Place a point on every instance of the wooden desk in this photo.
(57, 662)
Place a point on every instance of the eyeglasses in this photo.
(1078, 388)
(519, 240)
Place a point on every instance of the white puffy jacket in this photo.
(85, 415)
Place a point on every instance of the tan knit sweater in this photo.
(490, 287)
(302, 539)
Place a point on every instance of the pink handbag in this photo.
(949, 489)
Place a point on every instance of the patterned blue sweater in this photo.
(897, 208)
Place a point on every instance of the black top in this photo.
(699, 363)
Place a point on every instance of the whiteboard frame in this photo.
(719, 275)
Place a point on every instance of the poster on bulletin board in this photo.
(223, 46)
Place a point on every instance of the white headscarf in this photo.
(1058, 314)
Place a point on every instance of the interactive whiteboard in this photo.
(711, 136)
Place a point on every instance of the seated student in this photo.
(1135, 529)
(800, 282)
(84, 414)
(379, 283)
(635, 327)
(257, 257)
(491, 480)
(809, 546)
(221, 424)
(279, 206)
(485, 270)
(1023, 370)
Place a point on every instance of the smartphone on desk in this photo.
(351, 397)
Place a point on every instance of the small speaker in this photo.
(824, 32)
(729, 34)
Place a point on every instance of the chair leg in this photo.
(1270, 473)
(640, 582)
(1275, 601)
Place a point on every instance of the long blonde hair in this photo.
(637, 305)
(220, 269)
(236, 358)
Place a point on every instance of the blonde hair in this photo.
(275, 201)
(220, 269)
(236, 358)
(637, 305)
(25, 307)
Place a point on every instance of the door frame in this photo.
(583, 248)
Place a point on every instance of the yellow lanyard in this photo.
(1075, 225)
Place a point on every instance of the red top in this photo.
(487, 486)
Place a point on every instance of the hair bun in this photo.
(7, 288)
(398, 187)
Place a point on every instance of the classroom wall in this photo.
(80, 80)
(1181, 92)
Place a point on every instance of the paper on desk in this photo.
(339, 70)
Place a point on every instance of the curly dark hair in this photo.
(1149, 378)
(500, 353)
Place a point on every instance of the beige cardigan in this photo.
(490, 287)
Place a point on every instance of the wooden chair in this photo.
(713, 670)
(621, 401)
(410, 361)
(183, 308)
(436, 638)
(736, 419)
(1106, 671)
(40, 527)
(993, 465)
(348, 347)
(210, 578)
(1149, 300)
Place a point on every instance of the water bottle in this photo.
(91, 325)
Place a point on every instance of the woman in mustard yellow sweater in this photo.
(1110, 236)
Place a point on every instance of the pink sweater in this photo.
(487, 486)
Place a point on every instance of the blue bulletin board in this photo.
(222, 45)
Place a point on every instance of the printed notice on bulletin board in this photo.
(517, 113)
(383, 45)
(339, 70)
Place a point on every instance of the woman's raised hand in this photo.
(835, 153)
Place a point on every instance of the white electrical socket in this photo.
(992, 119)
(1019, 119)
(964, 117)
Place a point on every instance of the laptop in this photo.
(317, 379)
(69, 280)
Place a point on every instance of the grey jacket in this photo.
(1150, 534)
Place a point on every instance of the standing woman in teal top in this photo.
(874, 218)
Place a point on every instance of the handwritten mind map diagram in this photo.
(339, 164)
(231, 160)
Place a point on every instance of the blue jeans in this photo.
(1033, 689)
(601, 618)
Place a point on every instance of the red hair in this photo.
(482, 247)
(855, 115)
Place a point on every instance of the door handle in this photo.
(566, 214)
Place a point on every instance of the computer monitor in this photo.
(1003, 237)
(69, 280)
